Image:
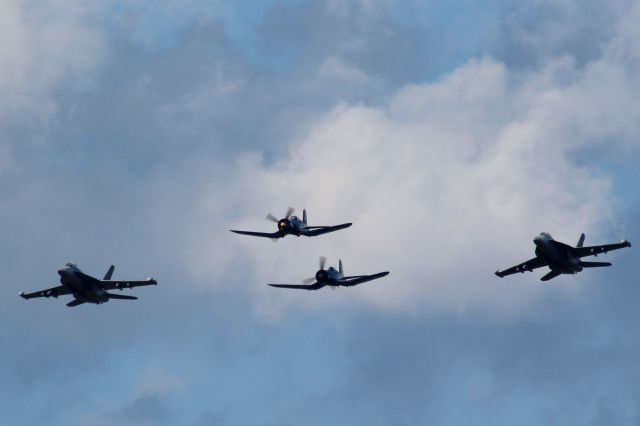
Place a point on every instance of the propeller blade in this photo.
(323, 262)
(290, 211)
(308, 281)
(272, 218)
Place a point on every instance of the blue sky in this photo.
(450, 133)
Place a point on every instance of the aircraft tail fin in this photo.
(340, 267)
(304, 216)
(581, 241)
(594, 264)
(109, 273)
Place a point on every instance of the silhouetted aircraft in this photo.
(562, 258)
(86, 289)
(331, 277)
(292, 225)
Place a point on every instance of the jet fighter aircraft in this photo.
(87, 289)
(292, 225)
(562, 258)
(332, 277)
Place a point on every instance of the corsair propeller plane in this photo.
(331, 277)
(562, 258)
(292, 225)
(87, 289)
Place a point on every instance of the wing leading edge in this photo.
(50, 292)
(314, 286)
(120, 284)
(529, 265)
(594, 250)
(359, 279)
(277, 234)
(314, 231)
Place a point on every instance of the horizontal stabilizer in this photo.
(121, 296)
(551, 275)
(75, 302)
(594, 264)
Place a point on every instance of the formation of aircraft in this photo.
(559, 257)
(292, 225)
(562, 258)
(87, 289)
(332, 277)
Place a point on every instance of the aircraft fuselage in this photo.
(81, 286)
(559, 256)
(293, 226)
(329, 276)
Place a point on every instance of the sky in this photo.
(137, 133)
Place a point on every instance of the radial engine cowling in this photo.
(283, 224)
(322, 276)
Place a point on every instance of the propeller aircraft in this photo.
(293, 225)
(331, 277)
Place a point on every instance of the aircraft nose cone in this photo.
(61, 271)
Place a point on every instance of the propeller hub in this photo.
(322, 276)
(283, 224)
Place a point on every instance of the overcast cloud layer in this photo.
(139, 133)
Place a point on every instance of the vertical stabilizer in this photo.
(581, 241)
(304, 216)
(340, 267)
(107, 276)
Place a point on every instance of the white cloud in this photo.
(445, 183)
(42, 45)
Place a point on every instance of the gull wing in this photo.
(314, 286)
(120, 284)
(529, 265)
(313, 231)
(593, 250)
(359, 279)
(50, 292)
(276, 234)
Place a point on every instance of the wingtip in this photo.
(498, 274)
(21, 294)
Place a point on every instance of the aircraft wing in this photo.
(313, 231)
(359, 279)
(120, 284)
(276, 234)
(50, 292)
(314, 286)
(593, 250)
(529, 265)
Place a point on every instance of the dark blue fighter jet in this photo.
(562, 258)
(87, 289)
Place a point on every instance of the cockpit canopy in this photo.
(293, 218)
(71, 265)
(546, 235)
